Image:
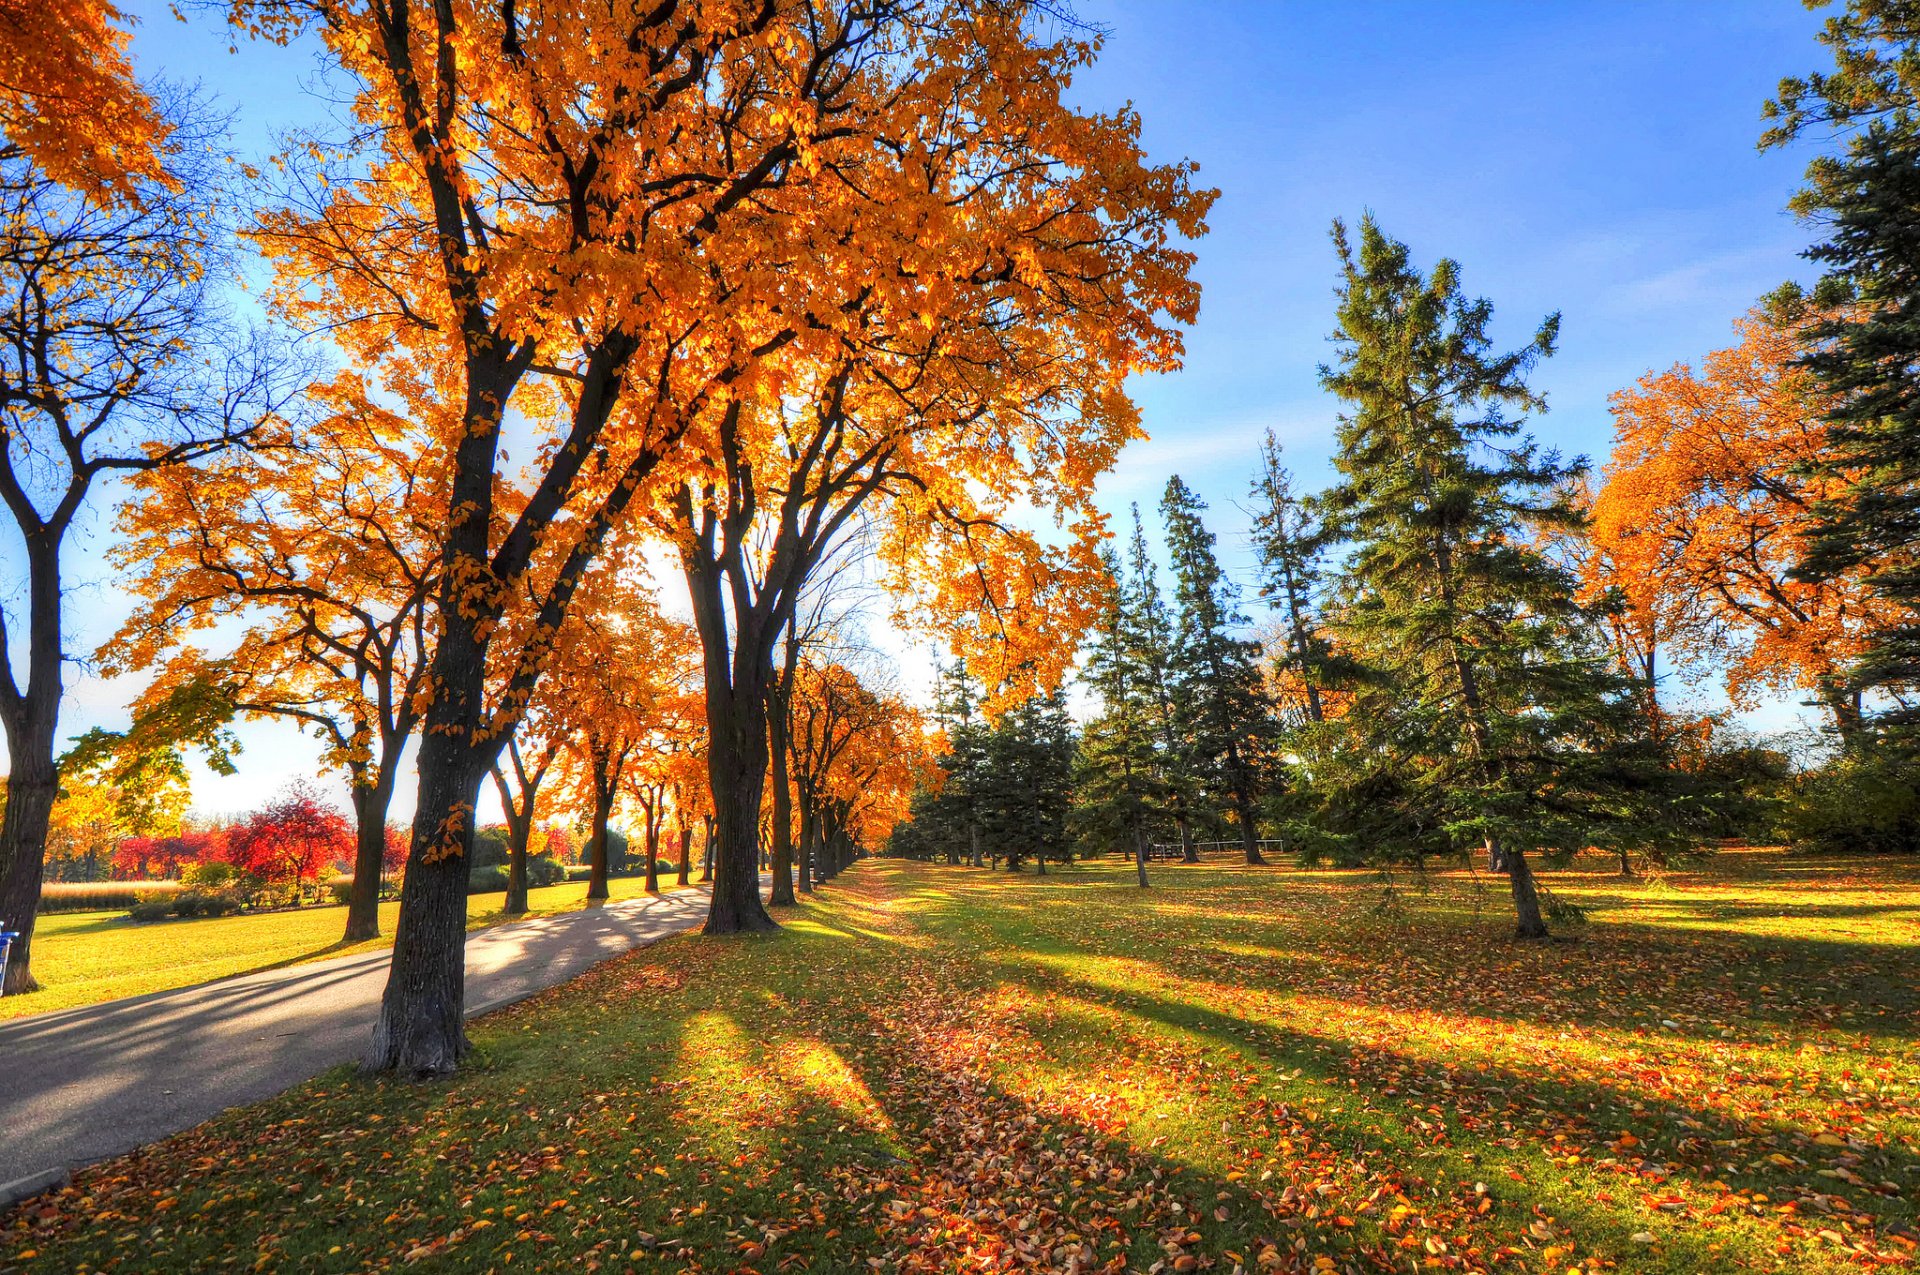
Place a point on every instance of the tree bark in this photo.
(686, 854)
(1140, 855)
(1243, 808)
(781, 893)
(597, 875)
(421, 1031)
(653, 851)
(370, 805)
(33, 782)
(1526, 898)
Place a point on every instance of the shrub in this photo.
(544, 870)
(207, 903)
(1855, 805)
(579, 871)
(101, 896)
(487, 880)
(489, 847)
(210, 874)
(341, 889)
(152, 909)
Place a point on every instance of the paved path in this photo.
(80, 1085)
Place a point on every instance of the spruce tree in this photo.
(956, 812)
(1289, 542)
(1864, 349)
(1220, 703)
(1151, 631)
(1487, 689)
(1114, 779)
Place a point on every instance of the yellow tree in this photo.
(117, 357)
(68, 101)
(1705, 512)
(632, 206)
(974, 369)
(322, 537)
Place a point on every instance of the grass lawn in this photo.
(83, 958)
(936, 1069)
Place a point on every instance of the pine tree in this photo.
(1489, 706)
(1863, 349)
(1220, 702)
(1289, 541)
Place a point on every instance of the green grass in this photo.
(936, 1069)
(84, 958)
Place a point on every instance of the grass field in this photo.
(83, 958)
(936, 1069)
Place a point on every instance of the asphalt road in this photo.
(84, 1084)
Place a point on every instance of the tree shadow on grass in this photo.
(1528, 1122)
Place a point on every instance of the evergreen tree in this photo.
(1220, 702)
(955, 815)
(1489, 708)
(1114, 778)
(1289, 541)
(1150, 630)
(1865, 347)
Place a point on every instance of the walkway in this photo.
(84, 1084)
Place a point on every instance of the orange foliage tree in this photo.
(117, 356)
(69, 103)
(1704, 514)
(632, 209)
(1018, 263)
(323, 535)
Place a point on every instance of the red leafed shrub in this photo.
(292, 840)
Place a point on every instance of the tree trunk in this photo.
(597, 875)
(686, 854)
(973, 841)
(737, 769)
(1140, 855)
(1243, 806)
(781, 893)
(32, 722)
(1189, 853)
(422, 1027)
(653, 852)
(370, 804)
(805, 854)
(31, 789)
(1526, 899)
(519, 833)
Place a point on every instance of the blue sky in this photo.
(1592, 158)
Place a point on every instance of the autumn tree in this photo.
(292, 839)
(69, 104)
(105, 371)
(635, 232)
(1707, 509)
(974, 369)
(321, 540)
(1488, 709)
